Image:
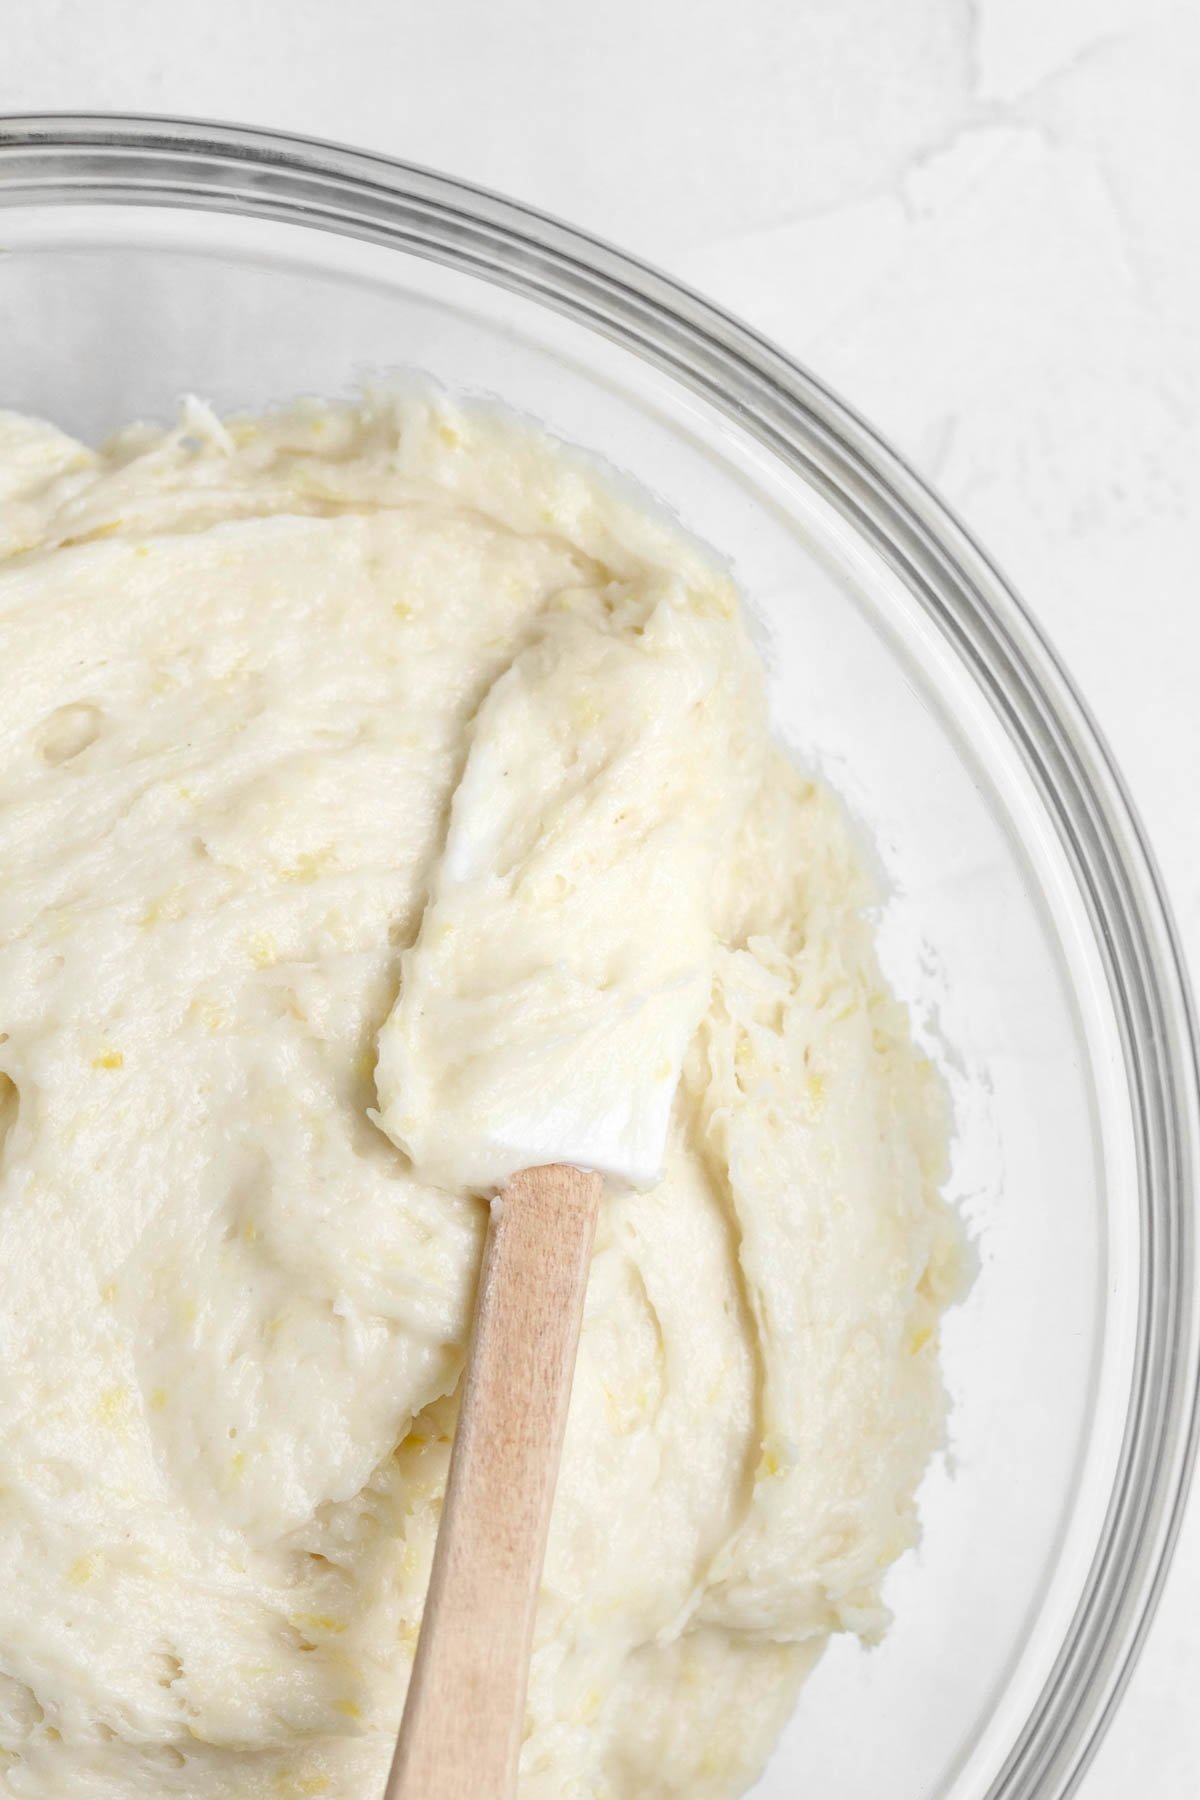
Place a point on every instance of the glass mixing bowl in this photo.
(143, 258)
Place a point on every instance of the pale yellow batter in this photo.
(246, 668)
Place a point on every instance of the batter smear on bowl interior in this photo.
(246, 667)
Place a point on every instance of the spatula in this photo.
(562, 964)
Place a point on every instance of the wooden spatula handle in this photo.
(464, 1719)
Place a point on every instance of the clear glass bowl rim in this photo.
(106, 160)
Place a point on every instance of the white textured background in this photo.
(978, 219)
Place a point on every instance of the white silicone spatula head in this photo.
(565, 954)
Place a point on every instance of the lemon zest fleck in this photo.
(112, 1408)
(593, 1700)
(97, 531)
(317, 1621)
(309, 865)
(84, 1568)
(262, 949)
(167, 906)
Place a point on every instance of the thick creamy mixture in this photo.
(279, 696)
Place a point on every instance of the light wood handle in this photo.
(464, 1719)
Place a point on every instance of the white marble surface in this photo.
(976, 218)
